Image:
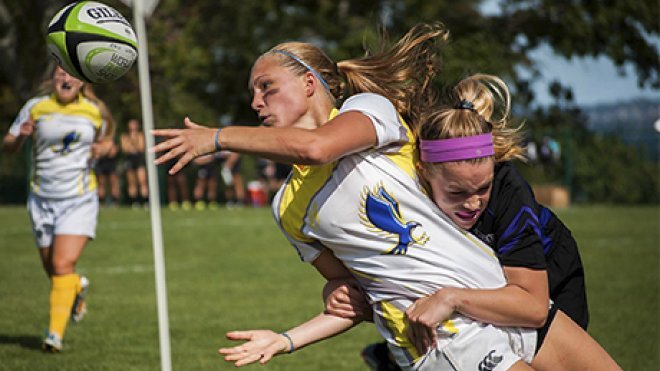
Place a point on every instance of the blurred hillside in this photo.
(633, 122)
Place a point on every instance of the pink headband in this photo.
(456, 149)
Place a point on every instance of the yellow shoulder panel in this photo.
(80, 108)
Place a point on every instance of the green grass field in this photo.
(231, 269)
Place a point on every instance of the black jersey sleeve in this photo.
(516, 227)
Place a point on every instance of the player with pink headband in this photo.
(466, 158)
(466, 164)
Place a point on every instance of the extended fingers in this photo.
(244, 359)
(239, 351)
(167, 145)
(266, 357)
(183, 161)
(252, 351)
(168, 133)
(239, 335)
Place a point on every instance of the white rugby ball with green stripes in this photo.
(92, 41)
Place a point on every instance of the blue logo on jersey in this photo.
(380, 213)
(70, 138)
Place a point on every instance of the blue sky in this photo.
(593, 80)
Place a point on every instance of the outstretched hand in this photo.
(185, 144)
(260, 345)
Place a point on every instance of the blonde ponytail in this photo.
(481, 104)
(402, 72)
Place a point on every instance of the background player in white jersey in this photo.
(291, 85)
(69, 126)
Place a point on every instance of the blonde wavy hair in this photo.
(401, 72)
(491, 107)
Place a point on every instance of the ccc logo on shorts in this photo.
(490, 361)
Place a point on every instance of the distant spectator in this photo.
(272, 174)
(233, 179)
(132, 146)
(550, 152)
(206, 183)
(106, 174)
(532, 151)
(178, 196)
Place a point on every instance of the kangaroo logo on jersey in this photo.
(380, 213)
(70, 138)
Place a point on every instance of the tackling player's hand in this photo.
(344, 298)
(424, 317)
(260, 345)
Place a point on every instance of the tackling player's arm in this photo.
(522, 302)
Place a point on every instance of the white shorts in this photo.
(50, 217)
(482, 347)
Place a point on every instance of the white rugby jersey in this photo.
(62, 141)
(369, 209)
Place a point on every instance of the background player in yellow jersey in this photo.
(69, 126)
(295, 86)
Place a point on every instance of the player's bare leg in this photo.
(568, 347)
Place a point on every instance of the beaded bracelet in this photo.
(291, 347)
(217, 144)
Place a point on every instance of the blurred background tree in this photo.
(201, 53)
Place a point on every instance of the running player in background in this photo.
(69, 126)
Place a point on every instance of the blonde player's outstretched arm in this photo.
(262, 345)
(347, 133)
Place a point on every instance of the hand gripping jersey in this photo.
(369, 210)
(62, 141)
